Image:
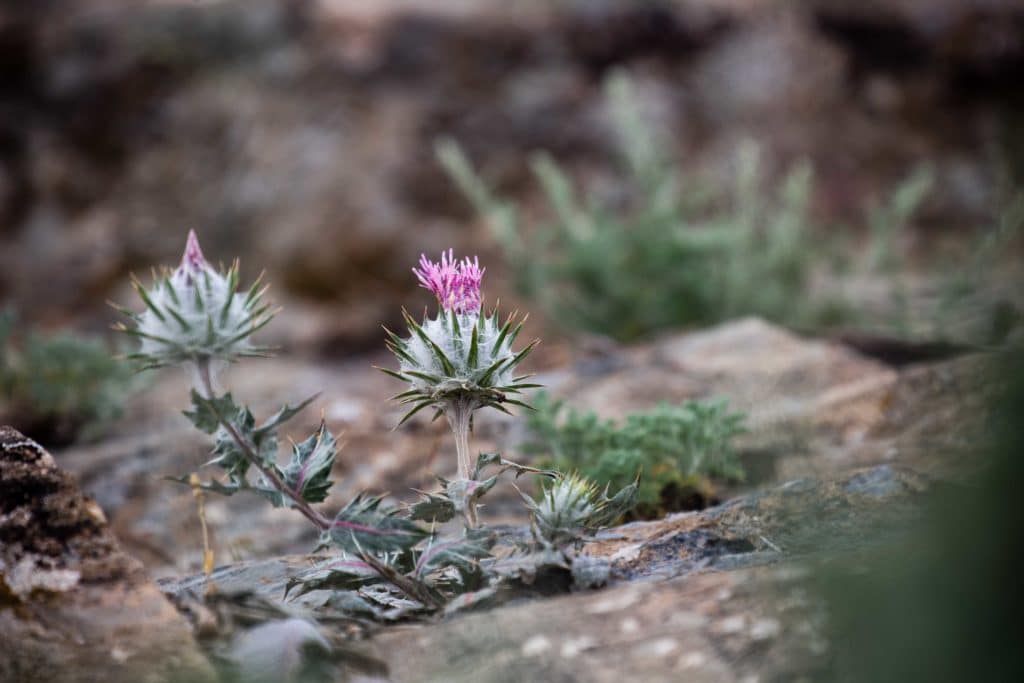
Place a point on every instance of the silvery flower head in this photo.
(196, 314)
(565, 507)
(572, 507)
(462, 358)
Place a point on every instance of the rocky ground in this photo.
(842, 449)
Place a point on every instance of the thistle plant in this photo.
(458, 362)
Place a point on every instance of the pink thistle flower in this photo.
(192, 261)
(455, 284)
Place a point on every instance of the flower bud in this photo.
(196, 314)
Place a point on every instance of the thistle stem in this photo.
(459, 412)
(206, 379)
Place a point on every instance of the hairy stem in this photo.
(459, 411)
(205, 378)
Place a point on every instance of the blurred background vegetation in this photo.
(625, 169)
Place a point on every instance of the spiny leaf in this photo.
(473, 348)
(484, 378)
(432, 508)
(145, 298)
(363, 526)
(344, 573)
(207, 413)
(393, 373)
(412, 412)
(501, 337)
(286, 413)
(462, 554)
(438, 352)
(309, 472)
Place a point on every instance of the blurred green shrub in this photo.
(57, 388)
(672, 254)
(674, 449)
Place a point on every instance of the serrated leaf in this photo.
(283, 415)
(485, 460)
(616, 506)
(362, 526)
(207, 413)
(432, 508)
(344, 573)
(308, 473)
(461, 554)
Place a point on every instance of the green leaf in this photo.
(283, 415)
(418, 408)
(449, 369)
(207, 413)
(363, 526)
(501, 337)
(461, 554)
(344, 573)
(432, 508)
(309, 472)
(474, 349)
(486, 376)
(485, 460)
(393, 373)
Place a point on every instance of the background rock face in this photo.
(73, 606)
(298, 134)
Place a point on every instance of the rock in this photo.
(711, 627)
(76, 608)
(282, 651)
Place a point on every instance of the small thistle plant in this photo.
(458, 362)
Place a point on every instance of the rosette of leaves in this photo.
(573, 507)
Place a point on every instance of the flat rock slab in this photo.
(77, 608)
(708, 627)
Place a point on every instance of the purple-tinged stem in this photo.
(318, 520)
